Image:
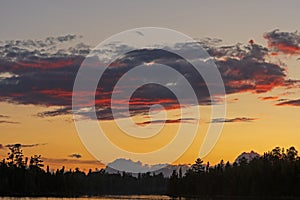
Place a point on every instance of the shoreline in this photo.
(161, 196)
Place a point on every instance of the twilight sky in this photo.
(255, 46)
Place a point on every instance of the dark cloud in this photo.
(286, 102)
(139, 33)
(169, 121)
(244, 75)
(60, 161)
(285, 42)
(269, 98)
(13, 145)
(249, 51)
(75, 155)
(36, 84)
(237, 119)
(24, 145)
(8, 122)
(33, 145)
(38, 72)
(147, 95)
(57, 112)
(46, 43)
(244, 68)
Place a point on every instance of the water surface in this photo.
(121, 197)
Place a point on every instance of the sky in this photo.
(254, 44)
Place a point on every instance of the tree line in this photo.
(275, 174)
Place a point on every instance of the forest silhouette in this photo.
(274, 174)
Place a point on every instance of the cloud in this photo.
(46, 44)
(24, 145)
(128, 165)
(57, 112)
(75, 155)
(239, 51)
(251, 76)
(237, 119)
(8, 122)
(33, 145)
(139, 33)
(285, 102)
(244, 68)
(60, 161)
(169, 121)
(269, 98)
(284, 42)
(41, 72)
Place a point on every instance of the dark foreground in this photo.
(275, 175)
(144, 197)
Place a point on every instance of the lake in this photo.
(121, 197)
(142, 197)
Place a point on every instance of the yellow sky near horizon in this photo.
(57, 136)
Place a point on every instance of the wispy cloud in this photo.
(169, 121)
(75, 155)
(5, 120)
(61, 161)
(8, 122)
(57, 112)
(269, 98)
(285, 102)
(229, 120)
(25, 145)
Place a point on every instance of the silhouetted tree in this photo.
(275, 174)
(276, 153)
(15, 156)
(36, 162)
(292, 154)
(198, 166)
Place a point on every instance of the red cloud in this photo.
(290, 103)
(269, 98)
(47, 79)
(285, 48)
(284, 42)
(57, 93)
(46, 64)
